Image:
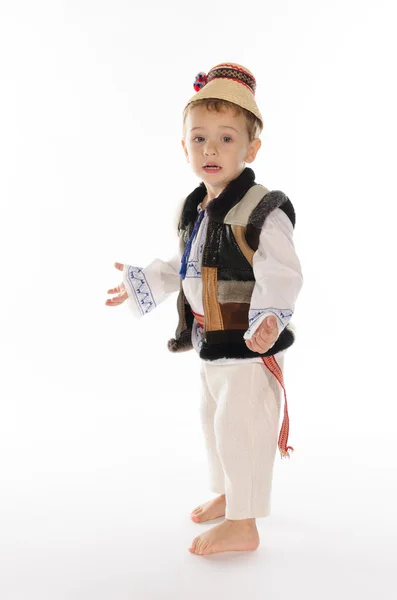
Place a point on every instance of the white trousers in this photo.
(240, 413)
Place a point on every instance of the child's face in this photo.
(220, 138)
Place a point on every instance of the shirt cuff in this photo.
(255, 318)
(140, 299)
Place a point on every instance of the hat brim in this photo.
(226, 89)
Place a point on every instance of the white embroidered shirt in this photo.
(277, 272)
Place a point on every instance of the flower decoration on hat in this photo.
(200, 81)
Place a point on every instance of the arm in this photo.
(278, 274)
(148, 287)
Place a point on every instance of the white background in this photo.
(101, 452)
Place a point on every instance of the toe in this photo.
(206, 549)
(194, 545)
(195, 518)
(196, 514)
(197, 546)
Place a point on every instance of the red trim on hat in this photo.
(233, 74)
(235, 67)
(237, 81)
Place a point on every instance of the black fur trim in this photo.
(241, 350)
(272, 200)
(289, 210)
(231, 195)
(219, 206)
(189, 210)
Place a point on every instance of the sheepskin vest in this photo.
(235, 220)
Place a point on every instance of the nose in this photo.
(210, 148)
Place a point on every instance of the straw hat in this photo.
(228, 81)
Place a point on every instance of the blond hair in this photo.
(254, 125)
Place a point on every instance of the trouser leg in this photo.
(207, 415)
(246, 430)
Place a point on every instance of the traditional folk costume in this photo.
(236, 265)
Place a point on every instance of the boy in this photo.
(238, 281)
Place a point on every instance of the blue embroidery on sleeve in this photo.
(283, 315)
(139, 285)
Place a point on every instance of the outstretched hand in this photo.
(265, 336)
(119, 290)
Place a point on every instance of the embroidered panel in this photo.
(193, 268)
(139, 286)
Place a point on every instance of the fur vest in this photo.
(235, 220)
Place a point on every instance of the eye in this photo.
(226, 137)
(197, 138)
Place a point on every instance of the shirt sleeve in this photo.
(148, 287)
(277, 272)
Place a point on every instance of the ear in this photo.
(252, 150)
(185, 149)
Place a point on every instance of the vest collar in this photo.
(218, 208)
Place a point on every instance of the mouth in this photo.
(211, 167)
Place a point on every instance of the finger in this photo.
(111, 302)
(256, 347)
(266, 328)
(119, 295)
(260, 334)
(119, 266)
(248, 344)
(263, 348)
(265, 345)
(264, 341)
(270, 329)
(265, 336)
(252, 345)
(114, 301)
(270, 321)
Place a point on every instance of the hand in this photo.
(119, 290)
(265, 336)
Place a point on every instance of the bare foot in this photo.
(213, 509)
(227, 536)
